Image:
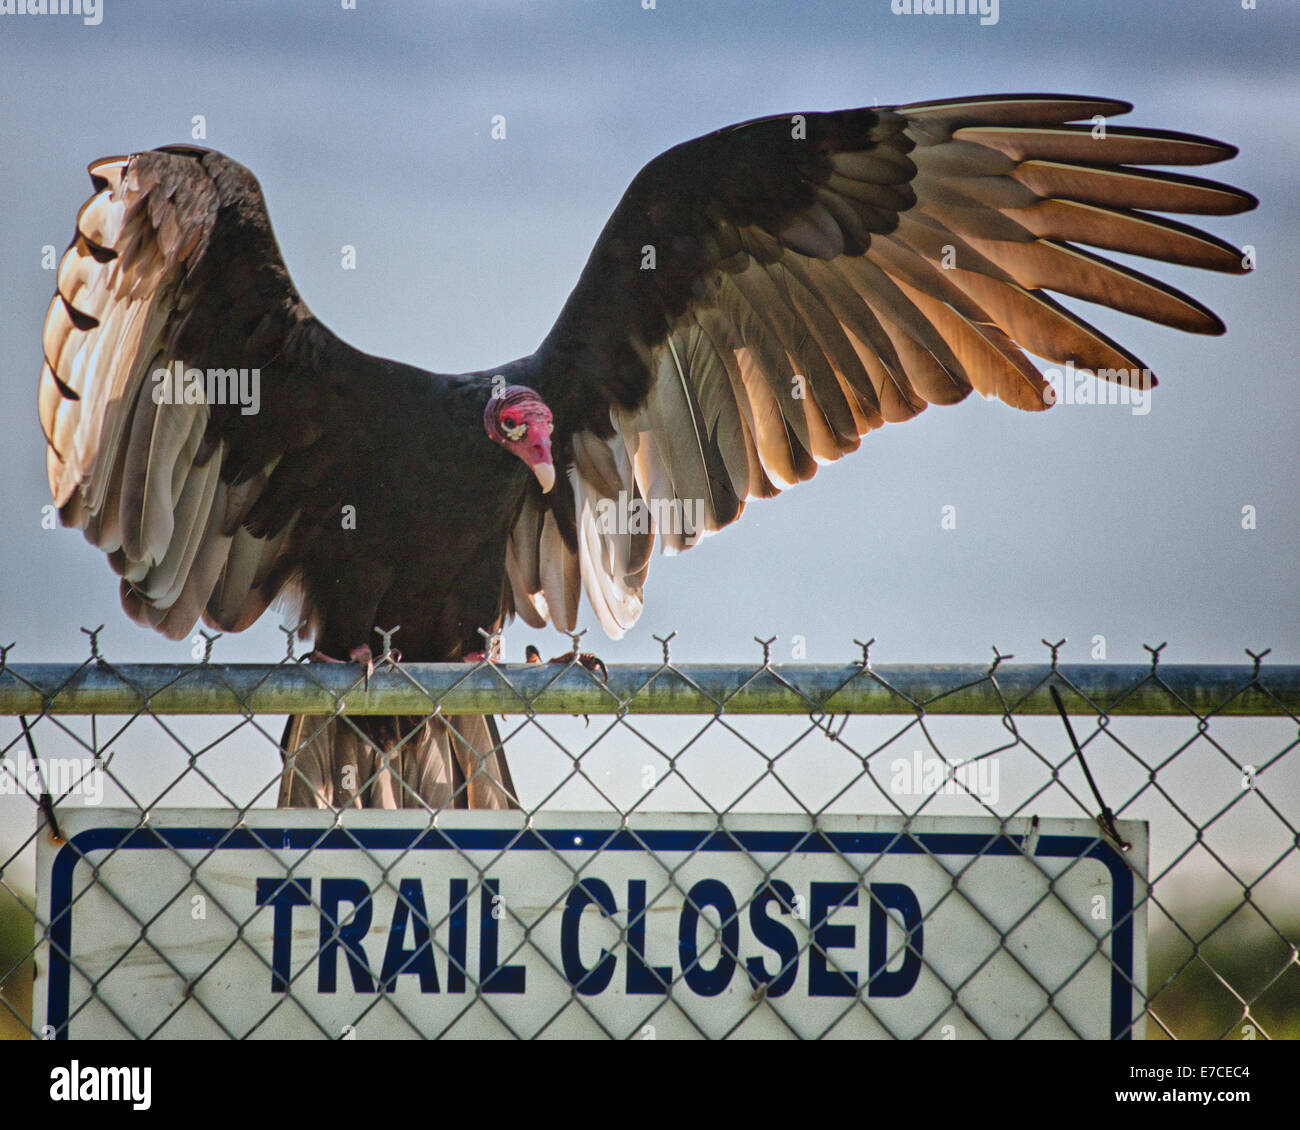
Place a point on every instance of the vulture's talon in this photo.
(592, 663)
(364, 658)
(361, 655)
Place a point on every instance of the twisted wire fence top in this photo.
(1194, 690)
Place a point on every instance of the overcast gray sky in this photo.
(372, 128)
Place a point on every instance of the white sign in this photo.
(290, 924)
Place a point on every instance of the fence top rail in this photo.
(456, 688)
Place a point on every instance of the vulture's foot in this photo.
(361, 655)
(592, 663)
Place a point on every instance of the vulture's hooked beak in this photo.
(539, 457)
(545, 473)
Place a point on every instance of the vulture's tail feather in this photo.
(400, 761)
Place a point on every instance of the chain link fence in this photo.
(1013, 841)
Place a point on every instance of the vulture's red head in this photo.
(519, 421)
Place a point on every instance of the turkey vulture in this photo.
(760, 299)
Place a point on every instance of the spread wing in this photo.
(764, 296)
(174, 261)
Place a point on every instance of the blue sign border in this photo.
(590, 839)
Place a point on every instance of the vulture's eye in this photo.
(513, 426)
